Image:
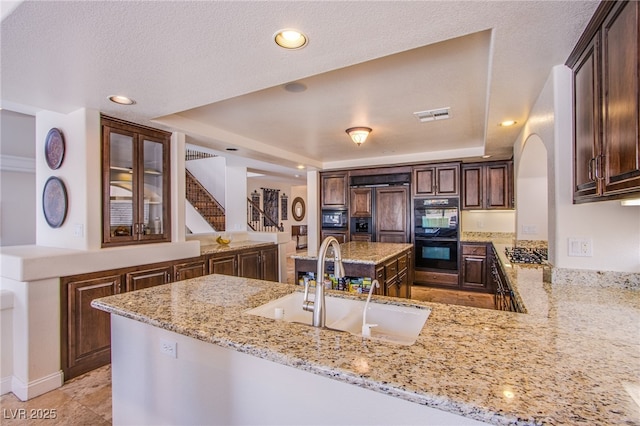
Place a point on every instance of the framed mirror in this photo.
(297, 209)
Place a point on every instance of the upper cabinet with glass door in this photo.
(135, 189)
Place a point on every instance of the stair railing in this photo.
(258, 220)
(216, 221)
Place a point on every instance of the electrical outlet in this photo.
(580, 247)
(169, 348)
(78, 230)
(529, 229)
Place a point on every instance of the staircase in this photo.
(204, 203)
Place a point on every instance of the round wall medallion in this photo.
(54, 148)
(54, 202)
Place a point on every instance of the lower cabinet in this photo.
(259, 263)
(474, 264)
(342, 237)
(148, 277)
(187, 270)
(86, 332)
(224, 264)
(394, 275)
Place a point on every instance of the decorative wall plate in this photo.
(298, 209)
(54, 202)
(54, 148)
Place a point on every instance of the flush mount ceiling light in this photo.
(122, 100)
(358, 134)
(508, 123)
(290, 39)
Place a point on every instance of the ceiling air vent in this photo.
(433, 114)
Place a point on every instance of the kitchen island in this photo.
(573, 358)
(389, 263)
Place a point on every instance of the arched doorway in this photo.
(532, 203)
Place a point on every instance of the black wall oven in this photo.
(437, 254)
(436, 232)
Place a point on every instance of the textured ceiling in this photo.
(211, 70)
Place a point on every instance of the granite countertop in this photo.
(364, 252)
(232, 246)
(574, 358)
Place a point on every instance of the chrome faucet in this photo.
(317, 305)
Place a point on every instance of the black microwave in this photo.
(334, 218)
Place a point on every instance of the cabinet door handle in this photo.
(599, 163)
(168, 277)
(135, 229)
(590, 173)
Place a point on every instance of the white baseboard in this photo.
(37, 387)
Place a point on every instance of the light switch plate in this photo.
(580, 247)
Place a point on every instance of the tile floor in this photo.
(86, 400)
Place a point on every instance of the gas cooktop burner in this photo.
(526, 255)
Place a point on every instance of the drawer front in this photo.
(402, 262)
(474, 250)
(391, 268)
(436, 278)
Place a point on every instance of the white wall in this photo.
(487, 221)
(236, 198)
(613, 229)
(531, 192)
(17, 179)
(81, 172)
(210, 172)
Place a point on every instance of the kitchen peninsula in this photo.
(572, 358)
(389, 263)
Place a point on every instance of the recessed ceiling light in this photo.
(232, 149)
(300, 166)
(290, 39)
(122, 100)
(508, 123)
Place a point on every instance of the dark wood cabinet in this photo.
(587, 144)
(191, 269)
(341, 236)
(487, 186)
(475, 273)
(226, 264)
(136, 189)
(85, 332)
(334, 190)
(270, 269)
(361, 205)
(606, 120)
(397, 277)
(436, 179)
(259, 264)
(392, 214)
(147, 277)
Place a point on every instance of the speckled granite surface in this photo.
(573, 359)
(232, 246)
(366, 253)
